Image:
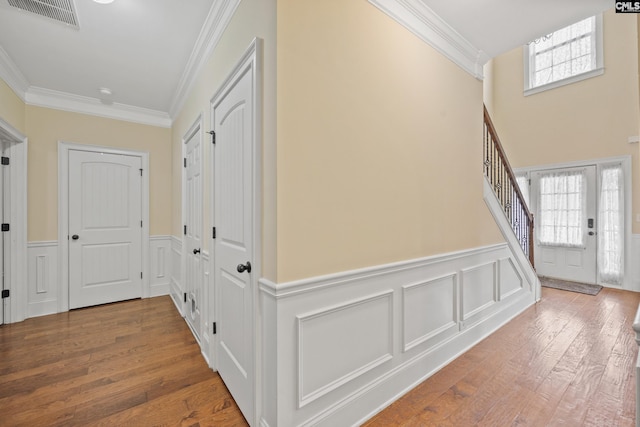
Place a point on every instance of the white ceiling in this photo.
(140, 49)
(497, 26)
(136, 48)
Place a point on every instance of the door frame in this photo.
(196, 127)
(252, 60)
(17, 281)
(625, 162)
(63, 215)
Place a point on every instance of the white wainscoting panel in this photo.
(337, 349)
(478, 291)
(430, 311)
(510, 280)
(177, 291)
(42, 281)
(632, 268)
(160, 265)
(337, 344)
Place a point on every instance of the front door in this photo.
(233, 211)
(193, 235)
(564, 202)
(105, 228)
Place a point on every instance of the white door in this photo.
(193, 235)
(565, 238)
(233, 212)
(105, 228)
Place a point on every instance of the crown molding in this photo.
(418, 18)
(216, 23)
(12, 76)
(48, 98)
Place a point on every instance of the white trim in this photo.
(598, 70)
(251, 59)
(48, 98)
(17, 151)
(418, 18)
(216, 23)
(63, 215)
(356, 391)
(523, 263)
(12, 76)
(313, 284)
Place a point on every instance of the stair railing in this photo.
(500, 175)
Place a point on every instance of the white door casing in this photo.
(5, 246)
(569, 263)
(105, 225)
(15, 240)
(64, 234)
(193, 227)
(236, 159)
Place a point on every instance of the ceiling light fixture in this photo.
(106, 91)
(103, 1)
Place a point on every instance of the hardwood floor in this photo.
(133, 363)
(569, 360)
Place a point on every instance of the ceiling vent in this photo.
(59, 10)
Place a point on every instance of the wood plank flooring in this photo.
(133, 363)
(569, 361)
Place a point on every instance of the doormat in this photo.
(565, 285)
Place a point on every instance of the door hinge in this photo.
(5, 160)
(214, 232)
(185, 230)
(140, 223)
(5, 293)
(5, 227)
(213, 136)
(185, 162)
(529, 181)
(140, 172)
(141, 274)
(185, 297)
(214, 328)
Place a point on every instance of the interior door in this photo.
(565, 223)
(105, 228)
(193, 235)
(233, 212)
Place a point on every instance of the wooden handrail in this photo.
(495, 171)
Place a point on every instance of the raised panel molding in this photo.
(160, 265)
(330, 349)
(339, 348)
(176, 290)
(42, 278)
(430, 311)
(478, 291)
(418, 18)
(509, 278)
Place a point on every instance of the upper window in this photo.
(565, 56)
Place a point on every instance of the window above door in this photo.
(565, 56)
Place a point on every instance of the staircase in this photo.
(502, 181)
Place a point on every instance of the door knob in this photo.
(244, 267)
(591, 233)
(196, 251)
(75, 237)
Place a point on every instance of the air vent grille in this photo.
(59, 10)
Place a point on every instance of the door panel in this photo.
(233, 211)
(105, 228)
(193, 238)
(566, 262)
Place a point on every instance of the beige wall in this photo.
(253, 18)
(45, 127)
(12, 109)
(587, 120)
(379, 143)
